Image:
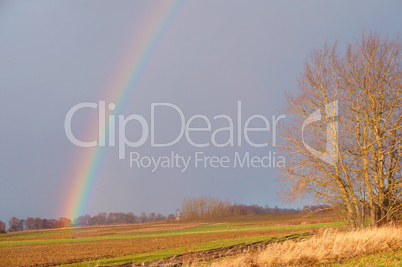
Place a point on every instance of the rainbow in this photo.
(86, 168)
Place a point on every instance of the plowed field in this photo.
(120, 244)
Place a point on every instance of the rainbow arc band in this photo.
(86, 168)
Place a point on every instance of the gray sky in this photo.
(56, 54)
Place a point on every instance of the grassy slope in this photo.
(377, 259)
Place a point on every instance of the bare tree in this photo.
(160, 217)
(38, 223)
(64, 222)
(15, 225)
(152, 217)
(2, 227)
(143, 217)
(29, 222)
(343, 141)
(207, 207)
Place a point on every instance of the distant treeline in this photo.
(30, 223)
(103, 218)
(208, 208)
(119, 218)
(192, 209)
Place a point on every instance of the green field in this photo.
(117, 244)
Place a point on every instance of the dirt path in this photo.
(212, 254)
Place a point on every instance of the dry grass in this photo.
(327, 247)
